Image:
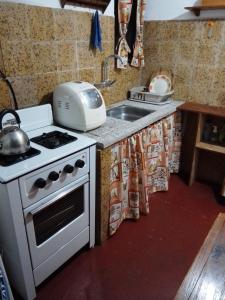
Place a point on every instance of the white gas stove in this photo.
(35, 121)
(47, 207)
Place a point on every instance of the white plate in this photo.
(161, 84)
(162, 95)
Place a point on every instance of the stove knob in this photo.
(68, 169)
(53, 176)
(79, 164)
(40, 183)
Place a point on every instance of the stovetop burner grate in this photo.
(8, 160)
(53, 139)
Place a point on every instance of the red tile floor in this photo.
(146, 259)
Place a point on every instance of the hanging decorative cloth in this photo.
(124, 12)
(138, 54)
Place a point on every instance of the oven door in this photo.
(57, 219)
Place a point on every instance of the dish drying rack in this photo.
(141, 94)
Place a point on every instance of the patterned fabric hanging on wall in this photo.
(138, 54)
(129, 24)
(124, 12)
(140, 166)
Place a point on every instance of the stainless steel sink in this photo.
(128, 113)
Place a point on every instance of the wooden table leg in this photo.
(223, 188)
(194, 166)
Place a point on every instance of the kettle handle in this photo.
(9, 111)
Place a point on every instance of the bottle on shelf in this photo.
(207, 130)
(222, 134)
(214, 134)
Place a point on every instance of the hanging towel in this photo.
(96, 36)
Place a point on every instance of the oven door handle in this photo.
(56, 198)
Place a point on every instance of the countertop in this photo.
(115, 130)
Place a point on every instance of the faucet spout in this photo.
(105, 72)
(106, 64)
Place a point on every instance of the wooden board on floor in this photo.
(206, 277)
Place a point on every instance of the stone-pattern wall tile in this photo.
(169, 31)
(25, 90)
(153, 51)
(45, 84)
(183, 73)
(85, 55)
(167, 52)
(211, 33)
(148, 71)
(38, 42)
(186, 51)
(197, 94)
(14, 22)
(42, 47)
(188, 31)
(4, 96)
(121, 87)
(203, 77)
(98, 73)
(41, 23)
(205, 53)
(67, 76)
(194, 52)
(111, 30)
(152, 32)
(17, 56)
(218, 98)
(99, 56)
(66, 55)
(45, 57)
(219, 79)
(181, 92)
(104, 23)
(64, 25)
(221, 55)
(83, 26)
(87, 75)
(222, 22)
(2, 67)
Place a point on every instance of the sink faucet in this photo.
(105, 72)
(106, 66)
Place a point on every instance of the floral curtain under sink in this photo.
(140, 166)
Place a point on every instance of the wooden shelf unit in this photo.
(95, 4)
(193, 142)
(210, 147)
(198, 8)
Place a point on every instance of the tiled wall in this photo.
(41, 47)
(193, 54)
